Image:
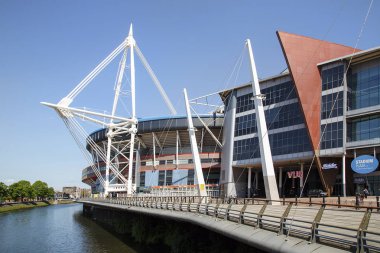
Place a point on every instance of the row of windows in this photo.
(365, 88)
(332, 78)
(180, 161)
(364, 128)
(278, 117)
(332, 105)
(289, 142)
(332, 135)
(273, 94)
(165, 177)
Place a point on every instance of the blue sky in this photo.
(47, 47)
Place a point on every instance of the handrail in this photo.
(283, 224)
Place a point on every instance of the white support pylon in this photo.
(194, 150)
(124, 125)
(270, 183)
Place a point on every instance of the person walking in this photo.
(365, 192)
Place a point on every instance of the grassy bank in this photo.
(19, 206)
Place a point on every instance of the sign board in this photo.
(359, 180)
(328, 166)
(364, 164)
(295, 174)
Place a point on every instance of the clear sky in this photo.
(47, 47)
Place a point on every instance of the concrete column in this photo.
(301, 178)
(226, 175)
(280, 181)
(249, 181)
(256, 180)
(344, 174)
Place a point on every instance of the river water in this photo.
(56, 228)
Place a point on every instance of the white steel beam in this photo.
(271, 190)
(194, 150)
(155, 80)
(157, 140)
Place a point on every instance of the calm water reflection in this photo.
(58, 228)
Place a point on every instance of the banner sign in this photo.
(295, 174)
(364, 164)
(328, 166)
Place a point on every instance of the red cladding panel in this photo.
(302, 55)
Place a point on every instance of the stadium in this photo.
(164, 160)
(321, 114)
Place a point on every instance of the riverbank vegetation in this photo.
(7, 207)
(23, 190)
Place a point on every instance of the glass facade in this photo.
(287, 115)
(142, 178)
(273, 94)
(288, 142)
(332, 78)
(332, 135)
(332, 105)
(364, 87)
(190, 177)
(363, 128)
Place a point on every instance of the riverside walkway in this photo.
(285, 226)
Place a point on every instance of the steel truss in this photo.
(117, 152)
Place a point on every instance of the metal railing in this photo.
(281, 218)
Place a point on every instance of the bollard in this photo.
(296, 200)
(310, 201)
(283, 201)
(339, 201)
(377, 203)
(324, 199)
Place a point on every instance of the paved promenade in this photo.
(284, 227)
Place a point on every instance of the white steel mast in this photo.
(194, 150)
(271, 191)
(120, 134)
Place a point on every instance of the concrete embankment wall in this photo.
(161, 234)
(146, 225)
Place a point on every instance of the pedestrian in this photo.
(365, 192)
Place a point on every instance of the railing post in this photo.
(357, 201)
(314, 227)
(216, 209)
(241, 215)
(226, 216)
(260, 215)
(361, 234)
(283, 219)
(339, 201)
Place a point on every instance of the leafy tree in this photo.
(51, 192)
(40, 189)
(3, 191)
(21, 190)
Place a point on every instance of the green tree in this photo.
(21, 190)
(3, 191)
(41, 190)
(51, 192)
